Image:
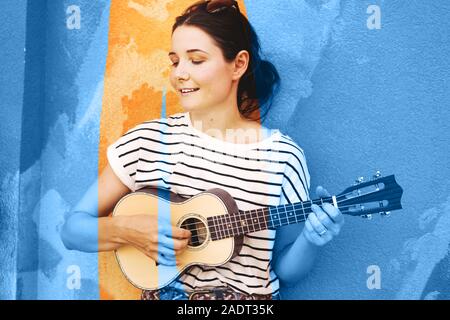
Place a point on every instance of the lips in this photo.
(186, 91)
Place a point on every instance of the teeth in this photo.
(187, 90)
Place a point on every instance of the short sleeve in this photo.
(296, 179)
(123, 157)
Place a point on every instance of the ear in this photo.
(241, 63)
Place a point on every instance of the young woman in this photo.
(218, 142)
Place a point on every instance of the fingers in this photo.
(173, 244)
(323, 224)
(334, 213)
(174, 232)
(165, 260)
(160, 258)
(322, 192)
(324, 218)
(316, 224)
(180, 233)
(312, 235)
(167, 252)
(169, 248)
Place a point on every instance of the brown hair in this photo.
(232, 33)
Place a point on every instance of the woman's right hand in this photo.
(157, 239)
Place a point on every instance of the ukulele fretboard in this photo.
(231, 225)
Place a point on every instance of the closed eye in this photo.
(174, 64)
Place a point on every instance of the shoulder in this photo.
(295, 159)
(172, 121)
(154, 126)
(287, 145)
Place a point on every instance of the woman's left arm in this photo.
(293, 261)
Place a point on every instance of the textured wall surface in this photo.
(380, 101)
(54, 140)
(12, 39)
(355, 99)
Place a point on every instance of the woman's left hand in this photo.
(323, 224)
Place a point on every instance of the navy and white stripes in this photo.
(170, 153)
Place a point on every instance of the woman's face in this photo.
(198, 63)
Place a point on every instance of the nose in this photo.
(181, 74)
(183, 77)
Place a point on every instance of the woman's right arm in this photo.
(88, 227)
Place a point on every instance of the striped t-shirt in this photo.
(172, 154)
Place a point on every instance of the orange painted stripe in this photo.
(137, 69)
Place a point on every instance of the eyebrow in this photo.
(189, 51)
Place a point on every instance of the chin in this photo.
(190, 107)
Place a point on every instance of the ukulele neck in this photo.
(232, 225)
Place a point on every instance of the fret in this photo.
(261, 220)
(248, 220)
(226, 231)
(268, 218)
(291, 215)
(304, 213)
(255, 220)
(229, 226)
(225, 225)
(281, 212)
(239, 225)
(274, 217)
(245, 222)
(271, 217)
(219, 229)
(242, 223)
(256, 225)
(286, 211)
(295, 215)
(223, 221)
(212, 228)
(235, 224)
(216, 227)
(265, 217)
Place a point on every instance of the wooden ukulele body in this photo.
(141, 270)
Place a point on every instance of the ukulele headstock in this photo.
(378, 195)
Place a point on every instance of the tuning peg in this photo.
(367, 216)
(359, 180)
(377, 175)
(385, 213)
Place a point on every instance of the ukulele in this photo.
(218, 227)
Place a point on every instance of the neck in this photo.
(231, 225)
(227, 124)
(216, 121)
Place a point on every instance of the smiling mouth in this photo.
(188, 91)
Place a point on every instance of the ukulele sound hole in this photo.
(198, 231)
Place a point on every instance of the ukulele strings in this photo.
(269, 215)
(199, 229)
(304, 205)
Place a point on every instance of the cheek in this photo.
(216, 80)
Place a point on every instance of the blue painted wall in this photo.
(12, 39)
(51, 108)
(361, 100)
(355, 99)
